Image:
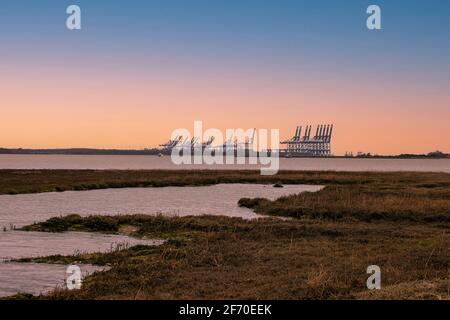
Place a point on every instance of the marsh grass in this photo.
(33, 181)
(214, 257)
(398, 221)
(338, 202)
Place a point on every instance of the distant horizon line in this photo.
(154, 150)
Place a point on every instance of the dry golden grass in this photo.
(352, 202)
(32, 181)
(398, 221)
(228, 258)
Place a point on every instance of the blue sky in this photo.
(268, 48)
(235, 28)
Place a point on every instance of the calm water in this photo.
(36, 278)
(41, 278)
(221, 199)
(153, 162)
(18, 244)
(19, 210)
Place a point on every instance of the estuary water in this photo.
(221, 199)
(24, 209)
(153, 162)
(41, 278)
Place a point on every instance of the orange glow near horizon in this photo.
(125, 110)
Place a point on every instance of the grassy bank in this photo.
(366, 204)
(33, 181)
(367, 196)
(219, 257)
(398, 221)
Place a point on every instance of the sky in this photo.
(137, 70)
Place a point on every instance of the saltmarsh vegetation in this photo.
(359, 203)
(33, 181)
(398, 221)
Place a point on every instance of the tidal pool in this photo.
(24, 209)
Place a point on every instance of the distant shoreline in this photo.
(155, 152)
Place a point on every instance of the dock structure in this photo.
(232, 145)
(318, 146)
(169, 145)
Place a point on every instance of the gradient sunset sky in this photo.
(139, 69)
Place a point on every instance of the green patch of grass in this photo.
(114, 257)
(75, 223)
(21, 296)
